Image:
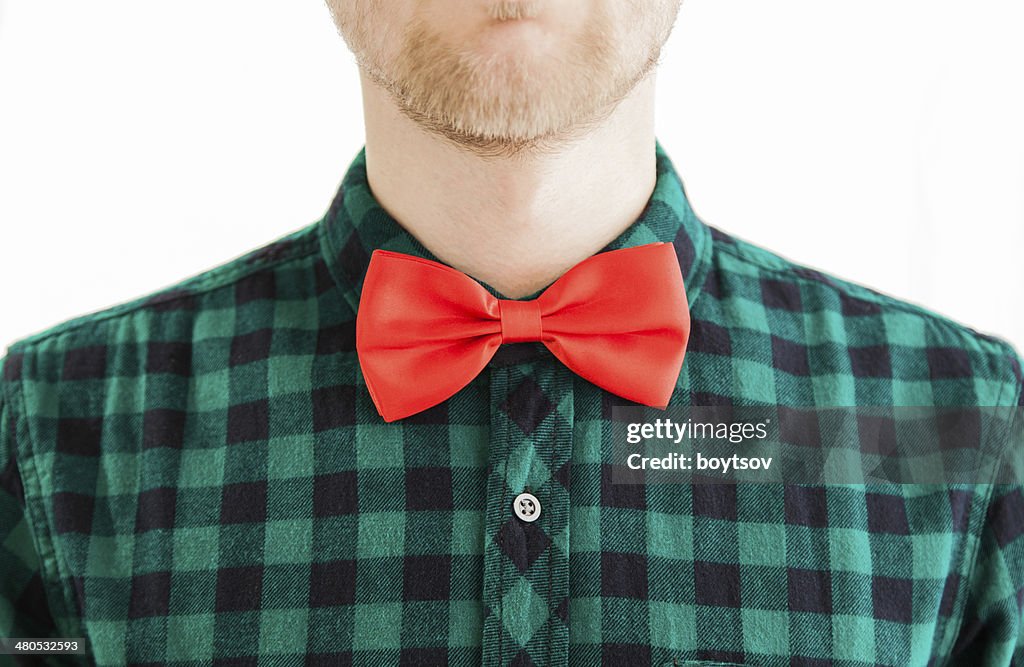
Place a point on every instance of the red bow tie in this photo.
(618, 319)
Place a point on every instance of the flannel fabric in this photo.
(199, 477)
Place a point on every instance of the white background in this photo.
(880, 140)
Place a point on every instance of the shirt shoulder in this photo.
(222, 301)
(848, 329)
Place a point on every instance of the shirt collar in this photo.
(356, 224)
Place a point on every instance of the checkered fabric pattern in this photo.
(199, 477)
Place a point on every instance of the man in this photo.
(385, 439)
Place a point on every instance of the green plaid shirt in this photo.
(199, 477)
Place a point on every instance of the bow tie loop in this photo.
(521, 321)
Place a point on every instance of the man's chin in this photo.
(492, 138)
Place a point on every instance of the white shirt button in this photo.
(526, 506)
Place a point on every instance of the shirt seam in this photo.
(950, 640)
(328, 250)
(201, 284)
(61, 606)
(505, 385)
(870, 296)
(703, 259)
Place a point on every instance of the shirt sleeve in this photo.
(24, 611)
(991, 631)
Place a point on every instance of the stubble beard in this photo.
(503, 106)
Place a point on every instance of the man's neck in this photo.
(514, 223)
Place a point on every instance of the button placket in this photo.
(526, 577)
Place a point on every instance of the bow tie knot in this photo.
(520, 321)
